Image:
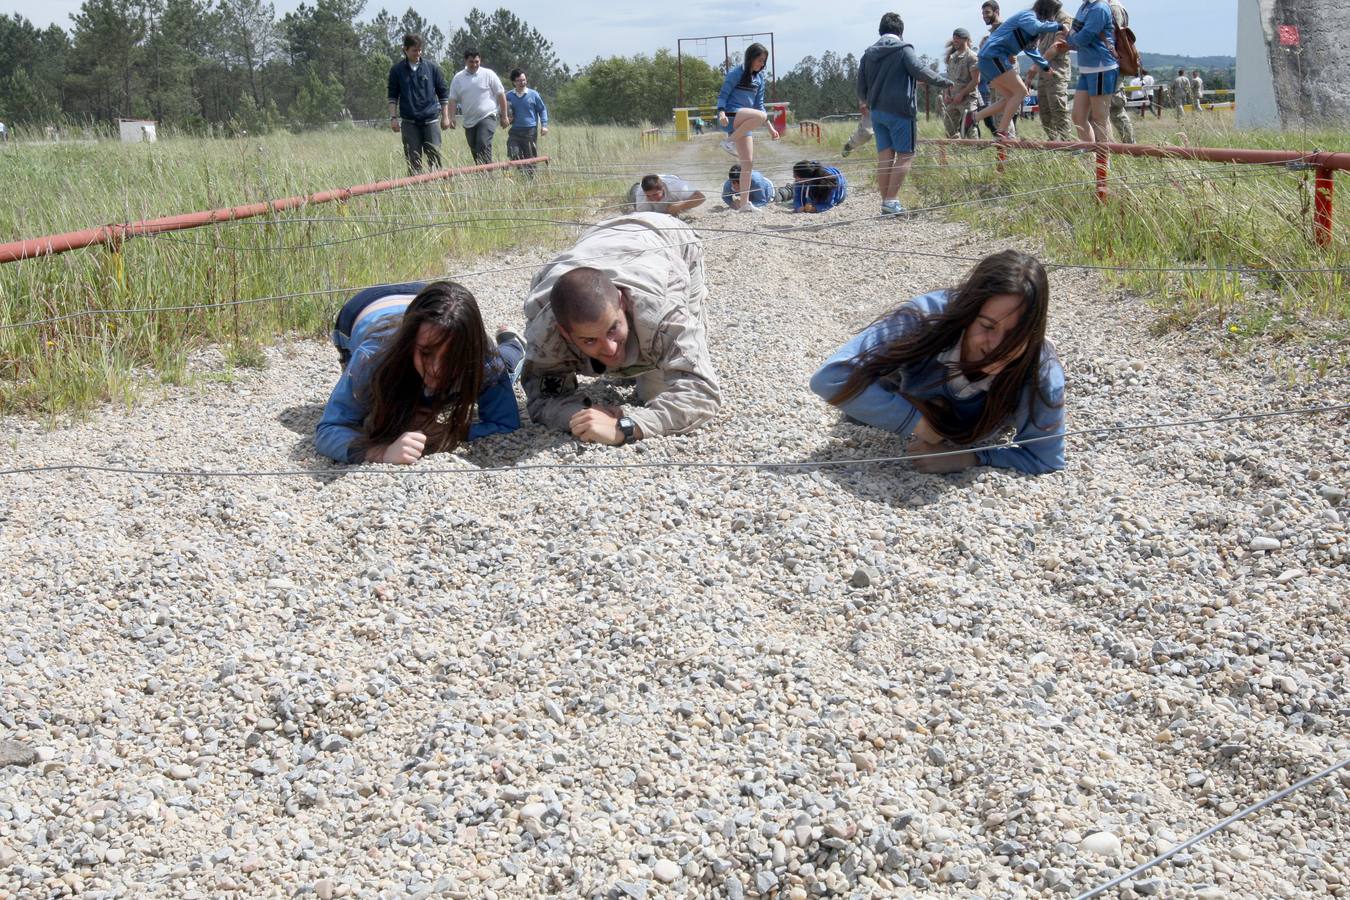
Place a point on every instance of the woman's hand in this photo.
(807, 207)
(404, 451)
(722, 119)
(925, 433)
(773, 132)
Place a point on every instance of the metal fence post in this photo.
(1102, 165)
(1324, 191)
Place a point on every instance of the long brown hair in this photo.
(1008, 272)
(395, 393)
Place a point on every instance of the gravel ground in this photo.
(855, 682)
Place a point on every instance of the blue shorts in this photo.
(893, 132)
(992, 67)
(1099, 84)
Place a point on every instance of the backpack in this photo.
(1127, 55)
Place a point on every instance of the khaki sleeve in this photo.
(549, 380)
(691, 395)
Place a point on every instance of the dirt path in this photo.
(859, 681)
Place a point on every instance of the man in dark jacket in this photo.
(419, 105)
(888, 78)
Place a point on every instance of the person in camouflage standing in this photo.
(1181, 92)
(964, 96)
(1197, 89)
(1052, 88)
(1120, 112)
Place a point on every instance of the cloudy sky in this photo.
(583, 29)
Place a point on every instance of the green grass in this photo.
(1159, 214)
(421, 231)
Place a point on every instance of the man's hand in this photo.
(597, 426)
(393, 124)
(404, 451)
(447, 121)
(543, 130)
(450, 120)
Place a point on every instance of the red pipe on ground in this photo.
(115, 234)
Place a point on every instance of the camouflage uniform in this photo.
(961, 68)
(1181, 92)
(1120, 112)
(1052, 89)
(862, 134)
(1197, 91)
(658, 261)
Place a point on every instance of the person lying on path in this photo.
(669, 194)
(816, 188)
(998, 61)
(627, 300)
(761, 188)
(415, 361)
(954, 368)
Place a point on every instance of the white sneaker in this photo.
(750, 207)
(728, 146)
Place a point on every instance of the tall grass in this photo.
(404, 234)
(1159, 215)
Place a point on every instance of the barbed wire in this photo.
(790, 465)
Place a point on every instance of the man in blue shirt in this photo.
(529, 119)
(419, 105)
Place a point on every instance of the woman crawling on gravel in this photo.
(956, 367)
(816, 188)
(415, 359)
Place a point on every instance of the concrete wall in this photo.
(1279, 87)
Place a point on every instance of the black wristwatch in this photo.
(626, 429)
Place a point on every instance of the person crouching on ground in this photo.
(627, 300)
(955, 367)
(761, 188)
(667, 194)
(816, 188)
(415, 361)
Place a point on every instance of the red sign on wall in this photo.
(1289, 36)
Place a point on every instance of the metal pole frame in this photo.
(726, 57)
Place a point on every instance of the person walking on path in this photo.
(1052, 86)
(479, 94)
(1197, 89)
(964, 71)
(1181, 92)
(888, 77)
(998, 60)
(419, 105)
(740, 110)
(529, 119)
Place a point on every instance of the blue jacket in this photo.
(341, 424)
(527, 110)
(837, 196)
(1018, 34)
(761, 190)
(419, 94)
(733, 96)
(1093, 35)
(881, 403)
(888, 77)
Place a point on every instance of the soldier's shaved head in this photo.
(582, 296)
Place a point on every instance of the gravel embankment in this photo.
(860, 682)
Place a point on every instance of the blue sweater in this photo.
(343, 417)
(880, 404)
(733, 96)
(527, 110)
(1093, 35)
(419, 94)
(1018, 34)
(761, 190)
(840, 193)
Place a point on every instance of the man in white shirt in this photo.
(481, 98)
(668, 194)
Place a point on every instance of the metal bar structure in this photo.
(1324, 164)
(115, 235)
(651, 137)
(806, 126)
(726, 59)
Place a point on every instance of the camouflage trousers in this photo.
(1052, 98)
(1121, 123)
(954, 113)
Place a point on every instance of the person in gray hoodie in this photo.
(888, 79)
